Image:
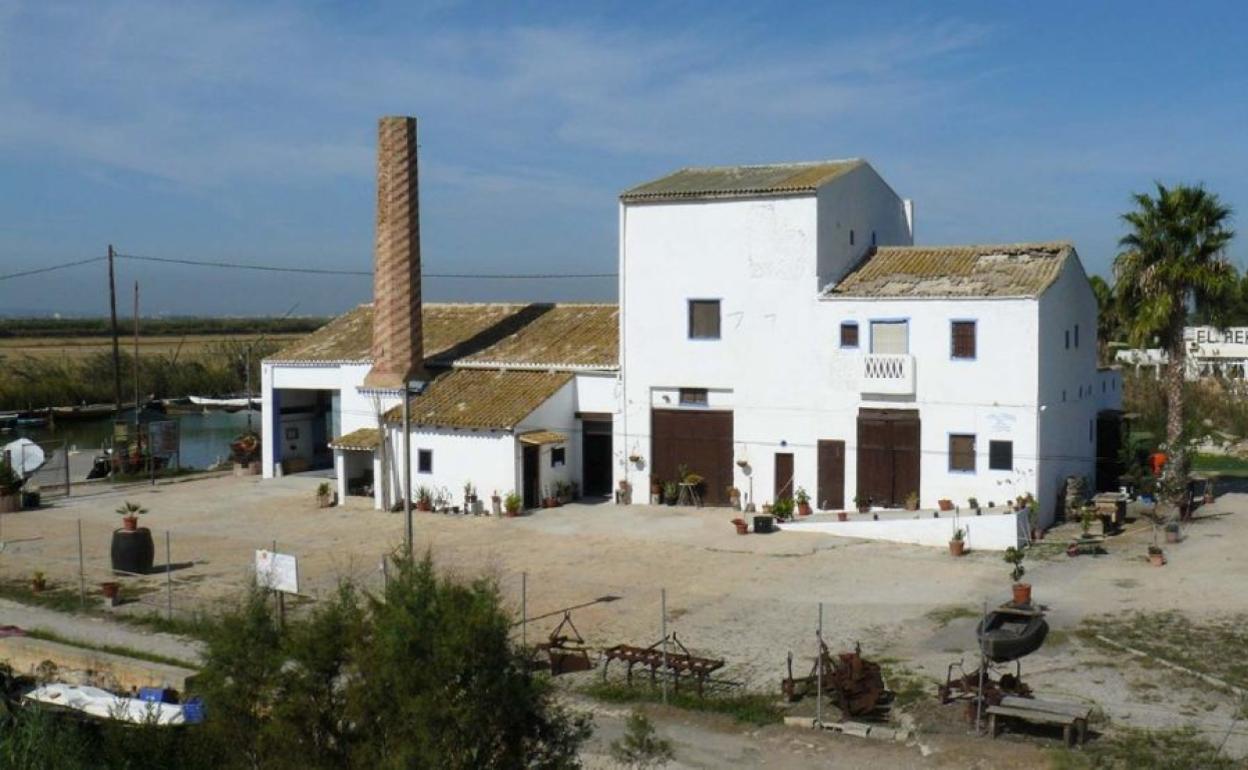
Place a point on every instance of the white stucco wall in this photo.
(597, 392)
(557, 413)
(990, 532)
(861, 202)
(484, 457)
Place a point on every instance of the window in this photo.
(962, 339)
(1001, 455)
(703, 319)
(962, 453)
(424, 461)
(872, 237)
(890, 337)
(851, 237)
(695, 396)
(849, 334)
(1091, 427)
(558, 457)
(1076, 335)
(1068, 339)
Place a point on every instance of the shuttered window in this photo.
(704, 319)
(1001, 455)
(849, 335)
(962, 339)
(424, 461)
(695, 396)
(962, 452)
(890, 337)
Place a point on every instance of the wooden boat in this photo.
(1009, 633)
(227, 404)
(33, 419)
(102, 704)
(81, 413)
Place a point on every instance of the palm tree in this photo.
(1173, 257)
(1107, 323)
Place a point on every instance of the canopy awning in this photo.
(362, 440)
(540, 437)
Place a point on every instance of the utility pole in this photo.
(112, 307)
(407, 468)
(136, 357)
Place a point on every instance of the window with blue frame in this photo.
(962, 452)
(849, 334)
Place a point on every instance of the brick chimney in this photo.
(398, 348)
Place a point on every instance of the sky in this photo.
(245, 131)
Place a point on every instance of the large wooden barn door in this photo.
(831, 492)
(888, 455)
(700, 440)
(784, 476)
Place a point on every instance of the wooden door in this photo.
(830, 495)
(700, 440)
(530, 459)
(596, 458)
(784, 476)
(888, 455)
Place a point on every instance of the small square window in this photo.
(1068, 339)
(872, 237)
(851, 237)
(704, 319)
(695, 396)
(1001, 455)
(1076, 335)
(962, 453)
(424, 461)
(849, 334)
(962, 339)
(1091, 427)
(558, 457)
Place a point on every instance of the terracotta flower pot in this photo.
(130, 523)
(803, 509)
(1172, 536)
(957, 547)
(843, 515)
(1022, 593)
(743, 527)
(110, 590)
(1157, 559)
(945, 505)
(1037, 534)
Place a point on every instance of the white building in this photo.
(1210, 352)
(778, 330)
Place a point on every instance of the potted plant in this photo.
(496, 503)
(862, 502)
(424, 498)
(324, 497)
(1033, 518)
(803, 501)
(911, 503)
(734, 498)
(10, 488)
(1022, 591)
(943, 504)
(512, 503)
(1156, 556)
(634, 458)
(470, 495)
(670, 491)
(973, 504)
(656, 491)
(1173, 533)
(743, 527)
(783, 509)
(130, 513)
(111, 591)
(957, 546)
(38, 581)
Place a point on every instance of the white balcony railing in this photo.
(888, 374)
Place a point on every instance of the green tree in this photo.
(640, 746)
(1173, 257)
(1108, 324)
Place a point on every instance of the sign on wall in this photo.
(1211, 342)
(277, 572)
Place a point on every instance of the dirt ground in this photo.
(749, 600)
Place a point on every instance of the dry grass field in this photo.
(79, 347)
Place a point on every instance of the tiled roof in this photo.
(364, 439)
(537, 335)
(742, 181)
(481, 398)
(1004, 270)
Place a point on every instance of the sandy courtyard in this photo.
(749, 600)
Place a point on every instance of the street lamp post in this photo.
(409, 388)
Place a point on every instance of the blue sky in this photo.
(244, 131)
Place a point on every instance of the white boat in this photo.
(225, 403)
(105, 705)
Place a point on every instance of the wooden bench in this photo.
(1073, 717)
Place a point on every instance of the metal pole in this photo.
(385, 573)
(136, 363)
(663, 632)
(168, 575)
(407, 469)
(524, 610)
(983, 663)
(112, 309)
(65, 455)
(82, 577)
(819, 669)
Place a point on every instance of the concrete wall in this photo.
(861, 202)
(990, 532)
(484, 457)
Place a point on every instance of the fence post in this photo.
(983, 664)
(524, 610)
(663, 632)
(65, 454)
(819, 669)
(385, 574)
(82, 577)
(168, 575)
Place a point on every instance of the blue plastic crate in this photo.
(157, 695)
(193, 711)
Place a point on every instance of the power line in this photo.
(330, 271)
(49, 269)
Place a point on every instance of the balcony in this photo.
(888, 375)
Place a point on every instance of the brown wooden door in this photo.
(784, 476)
(830, 495)
(595, 458)
(701, 440)
(888, 455)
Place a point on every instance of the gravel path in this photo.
(98, 631)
